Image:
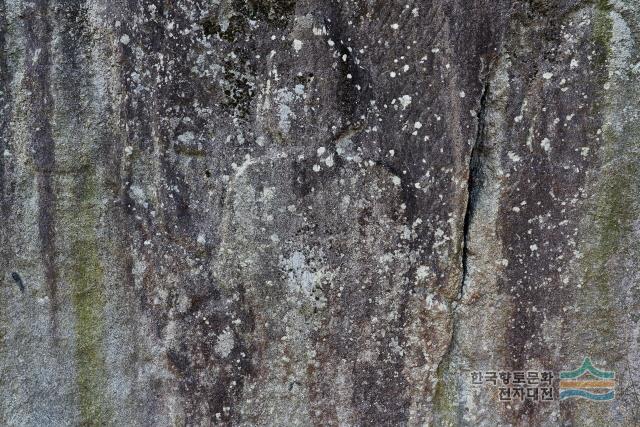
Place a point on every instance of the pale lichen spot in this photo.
(225, 343)
(405, 100)
(546, 144)
(513, 156)
(329, 161)
(422, 272)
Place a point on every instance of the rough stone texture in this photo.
(315, 212)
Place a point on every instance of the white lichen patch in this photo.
(405, 101)
(513, 156)
(283, 98)
(225, 343)
(186, 137)
(304, 277)
(329, 161)
(422, 273)
(546, 144)
(138, 195)
(317, 31)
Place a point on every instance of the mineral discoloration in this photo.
(38, 34)
(314, 212)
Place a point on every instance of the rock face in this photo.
(316, 212)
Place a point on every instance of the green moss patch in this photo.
(88, 299)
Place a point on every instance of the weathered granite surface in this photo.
(316, 212)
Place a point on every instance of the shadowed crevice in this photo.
(475, 183)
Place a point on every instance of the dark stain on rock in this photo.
(533, 278)
(275, 12)
(409, 196)
(302, 179)
(240, 45)
(38, 30)
(236, 27)
(378, 394)
(354, 83)
(212, 382)
(5, 110)
(16, 278)
(238, 86)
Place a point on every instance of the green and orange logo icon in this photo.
(587, 382)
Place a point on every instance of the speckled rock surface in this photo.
(316, 212)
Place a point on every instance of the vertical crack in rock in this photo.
(474, 184)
